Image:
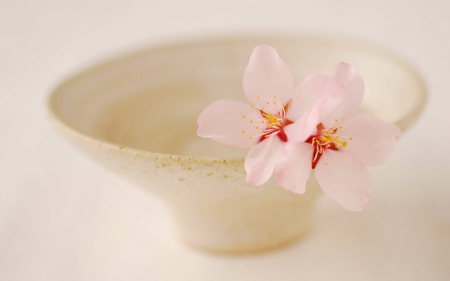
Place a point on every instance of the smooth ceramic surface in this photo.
(137, 116)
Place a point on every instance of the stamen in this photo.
(277, 103)
(264, 133)
(326, 139)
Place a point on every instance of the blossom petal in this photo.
(231, 123)
(344, 179)
(262, 159)
(317, 92)
(346, 75)
(303, 127)
(372, 140)
(267, 76)
(294, 171)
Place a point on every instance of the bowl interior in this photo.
(150, 100)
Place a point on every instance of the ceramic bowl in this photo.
(136, 115)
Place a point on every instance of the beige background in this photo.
(62, 217)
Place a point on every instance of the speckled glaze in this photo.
(137, 116)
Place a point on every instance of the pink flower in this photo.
(340, 146)
(266, 124)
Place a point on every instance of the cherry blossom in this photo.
(265, 124)
(341, 144)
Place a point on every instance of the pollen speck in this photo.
(335, 120)
(250, 137)
(267, 102)
(274, 96)
(350, 138)
(326, 163)
(275, 103)
(340, 127)
(262, 131)
(257, 127)
(243, 116)
(243, 131)
(251, 121)
(259, 97)
(262, 121)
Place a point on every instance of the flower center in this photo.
(325, 139)
(272, 123)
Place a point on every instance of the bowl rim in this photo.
(376, 49)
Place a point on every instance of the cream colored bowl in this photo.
(137, 116)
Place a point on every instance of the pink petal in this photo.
(303, 127)
(294, 171)
(316, 92)
(267, 76)
(373, 140)
(344, 179)
(346, 75)
(224, 122)
(262, 159)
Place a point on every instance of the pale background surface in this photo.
(62, 217)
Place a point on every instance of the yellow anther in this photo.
(273, 119)
(343, 143)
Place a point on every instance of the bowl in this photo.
(136, 115)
